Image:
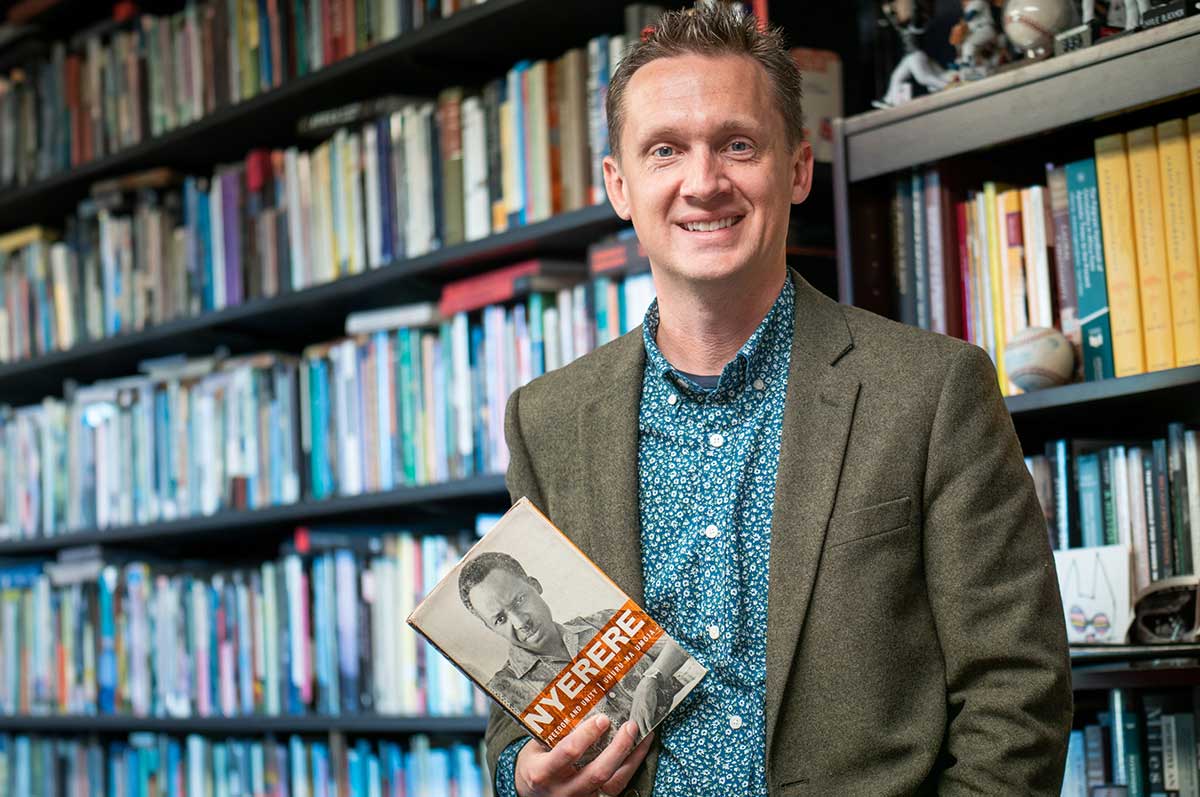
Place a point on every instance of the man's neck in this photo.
(699, 332)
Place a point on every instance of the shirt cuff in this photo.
(506, 769)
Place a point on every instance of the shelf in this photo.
(457, 497)
(1181, 384)
(1134, 666)
(291, 320)
(1112, 76)
(244, 726)
(470, 47)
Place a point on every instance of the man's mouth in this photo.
(711, 226)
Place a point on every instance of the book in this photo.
(498, 285)
(501, 616)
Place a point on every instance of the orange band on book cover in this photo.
(607, 658)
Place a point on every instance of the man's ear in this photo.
(537, 585)
(614, 185)
(802, 170)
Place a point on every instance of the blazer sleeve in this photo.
(994, 595)
(520, 479)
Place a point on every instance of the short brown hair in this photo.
(712, 29)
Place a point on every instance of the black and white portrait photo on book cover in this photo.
(548, 635)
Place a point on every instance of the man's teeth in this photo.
(710, 226)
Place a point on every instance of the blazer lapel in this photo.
(608, 439)
(817, 417)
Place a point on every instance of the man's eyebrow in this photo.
(735, 125)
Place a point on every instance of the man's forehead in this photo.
(726, 91)
(682, 76)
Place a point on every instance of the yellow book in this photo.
(1120, 255)
(19, 239)
(1180, 239)
(999, 324)
(1158, 335)
(1012, 249)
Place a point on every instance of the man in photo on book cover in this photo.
(496, 588)
(828, 510)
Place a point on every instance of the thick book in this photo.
(549, 637)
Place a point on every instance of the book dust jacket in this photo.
(549, 637)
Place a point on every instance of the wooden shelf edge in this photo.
(243, 726)
(1080, 393)
(233, 521)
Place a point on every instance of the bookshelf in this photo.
(1008, 127)
(475, 44)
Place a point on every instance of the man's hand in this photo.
(552, 773)
(645, 704)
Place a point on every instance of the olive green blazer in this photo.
(915, 635)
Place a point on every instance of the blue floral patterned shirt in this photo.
(707, 464)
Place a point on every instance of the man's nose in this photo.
(704, 176)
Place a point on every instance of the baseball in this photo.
(1039, 357)
(1031, 25)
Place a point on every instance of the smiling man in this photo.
(829, 510)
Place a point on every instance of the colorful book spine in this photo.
(1120, 255)
(1090, 270)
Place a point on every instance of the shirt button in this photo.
(759, 384)
(712, 532)
(735, 721)
(716, 439)
(714, 632)
(671, 399)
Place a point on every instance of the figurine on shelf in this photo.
(908, 19)
(980, 44)
(1120, 14)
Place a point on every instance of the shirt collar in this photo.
(749, 359)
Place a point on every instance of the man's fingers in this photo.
(620, 779)
(606, 764)
(576, 743)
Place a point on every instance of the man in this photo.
(495, 588)
(828, 510)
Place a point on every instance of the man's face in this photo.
(706, 171)
(512, 607)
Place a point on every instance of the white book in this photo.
(553, 338)
(352, 173)
(475, 170)
(985, 277)
(537, 145)
(406, 592)
(418, 181)
(216, 242)
(271, 635)
(350, 421)
(309, 236)
(935, 256)
(514, 158)
(564, 303)
(1037, 253)
(416, 314)
(295, 216)
(371, 191)
(378, 580)
(1137, 519)
(464, 405)
(1121, 494)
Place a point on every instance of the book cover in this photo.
(1180, 240)
(1089, 256)
(1154, 288)
(549, 637)
(1120, 255)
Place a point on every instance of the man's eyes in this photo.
(500, 619)
(664, 151)
(740, 146)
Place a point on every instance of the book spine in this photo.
(1090, 282)
(1120, 255)
(1182, 255)
(1154, 289)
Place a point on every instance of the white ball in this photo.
(1039, 357)
(1031, 24)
